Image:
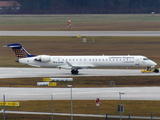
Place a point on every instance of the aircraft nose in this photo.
(153, 64)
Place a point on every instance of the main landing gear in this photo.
(74, 71)
(148, 70)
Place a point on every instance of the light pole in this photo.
(70, 86)
(52, 104)
(4, 109)
(120, 93)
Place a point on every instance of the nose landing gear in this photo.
(149, 70)
(156, 70)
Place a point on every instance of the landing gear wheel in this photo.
(148, 69)
(156, 71)
(74, 72)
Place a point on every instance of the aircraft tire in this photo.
(156, 70)
(74, 72)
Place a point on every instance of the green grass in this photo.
(80, 18)
(103, 81)
(134, 107)
(94, 22)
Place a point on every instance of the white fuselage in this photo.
(80, 62)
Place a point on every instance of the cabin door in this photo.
(137, 62)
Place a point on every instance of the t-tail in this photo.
(19, 51)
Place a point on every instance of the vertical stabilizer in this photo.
(19, 51)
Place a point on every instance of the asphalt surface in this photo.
(82, 33)
(7, 72)
(112, 93)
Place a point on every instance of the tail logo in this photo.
(19, 53)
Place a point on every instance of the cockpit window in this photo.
(145, 59)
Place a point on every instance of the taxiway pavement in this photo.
(7, 72)
(82, 33)
(111, 93)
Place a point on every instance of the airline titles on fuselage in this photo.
(124, 59)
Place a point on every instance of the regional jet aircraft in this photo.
(74, 63)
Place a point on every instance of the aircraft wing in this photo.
(71, 66)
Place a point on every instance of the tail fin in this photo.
(19, 51)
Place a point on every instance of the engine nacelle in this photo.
(43, 58)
